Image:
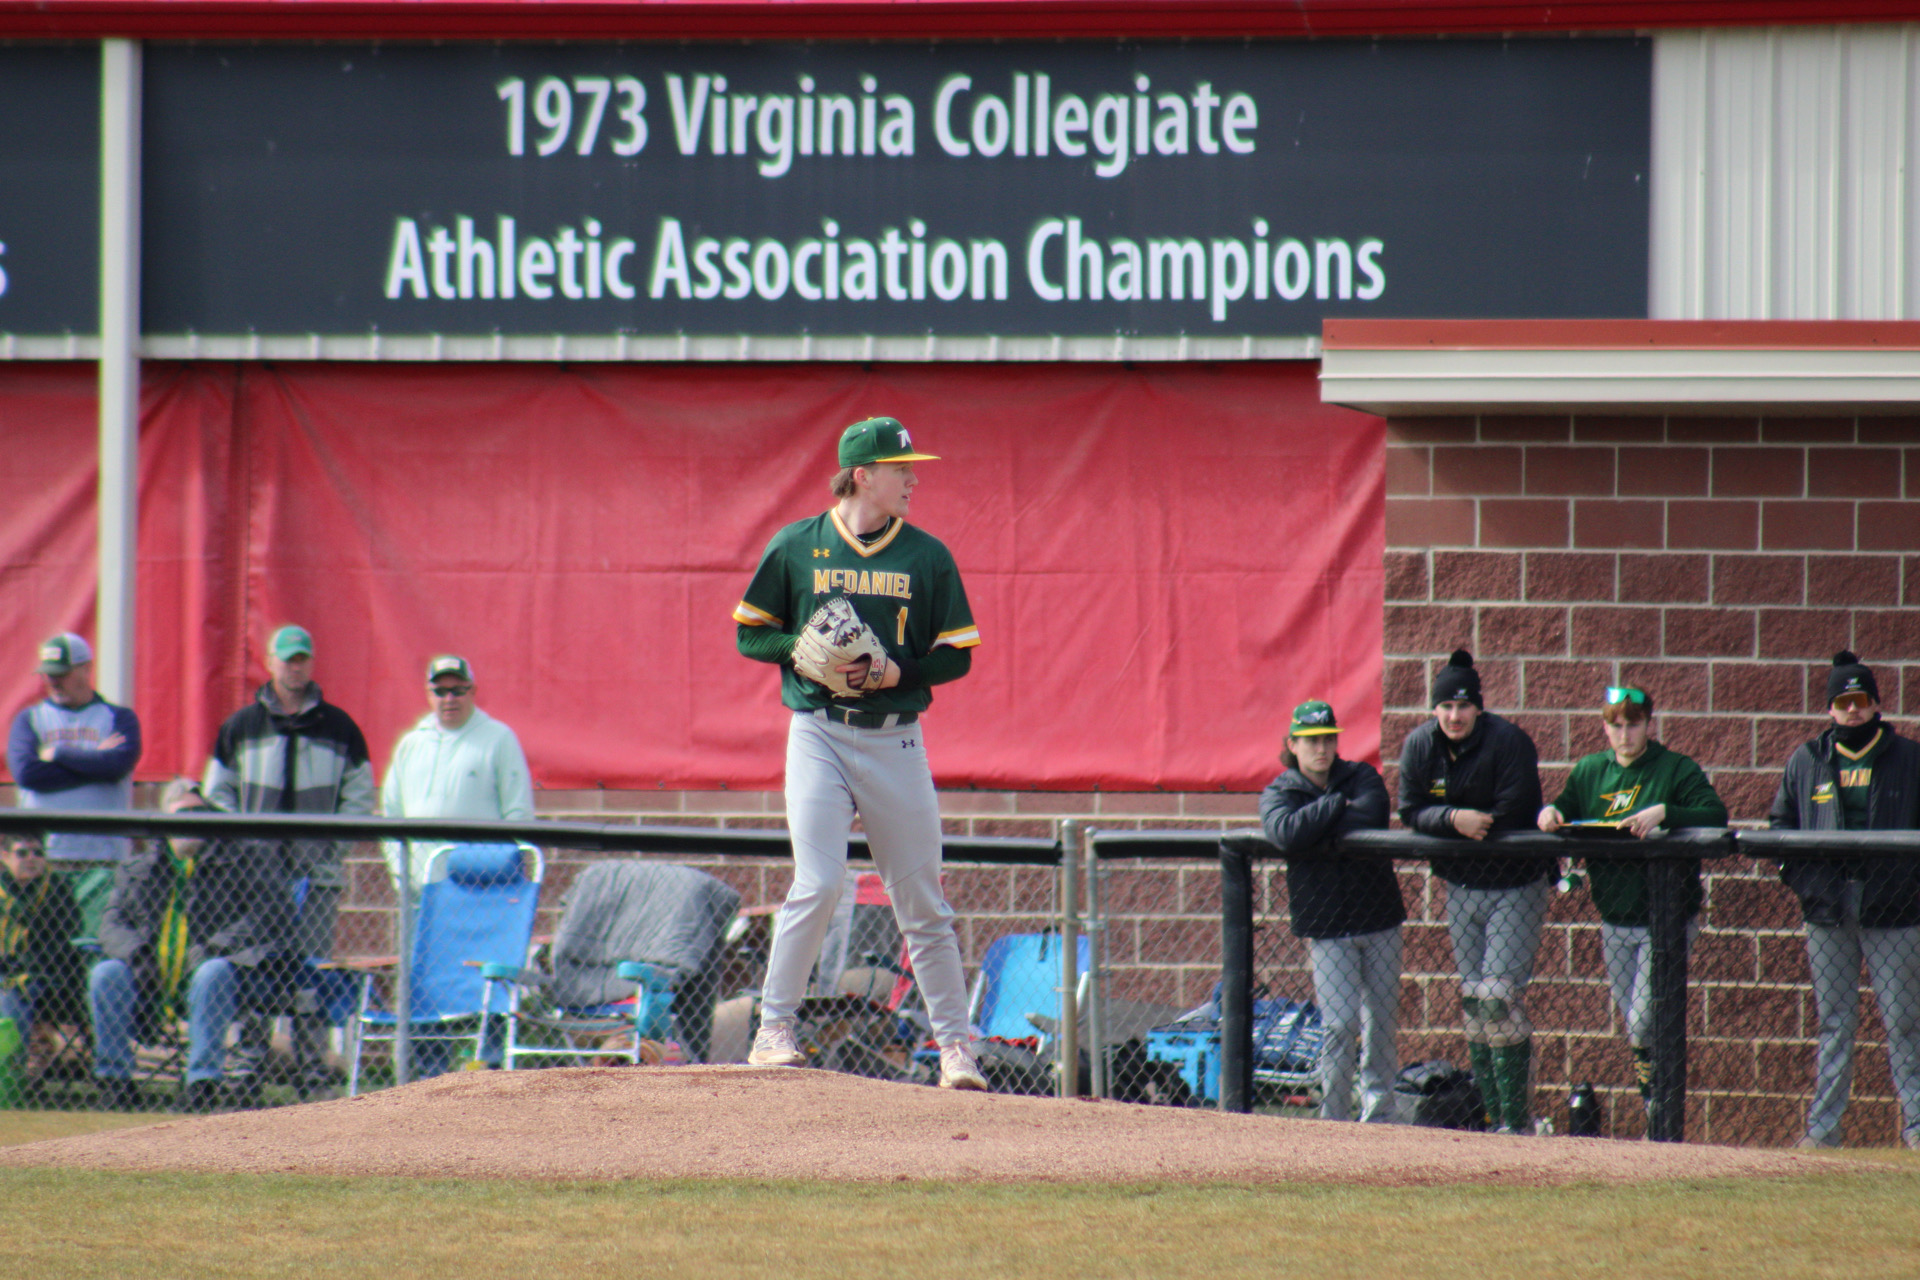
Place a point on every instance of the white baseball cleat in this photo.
(958, 1070)
(776, 1046)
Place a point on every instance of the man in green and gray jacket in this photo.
(1639, 786)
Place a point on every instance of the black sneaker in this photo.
(199, 1097)
(119, 1095)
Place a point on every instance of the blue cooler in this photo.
(1195, 1049)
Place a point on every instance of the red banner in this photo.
(1162, 560)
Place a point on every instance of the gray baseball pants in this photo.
(1892, 957)
(1356, 983)
(1496, 932)
(834, 772)
(1628, 953)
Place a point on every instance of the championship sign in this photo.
(945, 189)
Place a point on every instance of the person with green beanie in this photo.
(1640, 786)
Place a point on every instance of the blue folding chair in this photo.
(1020, 976)
(480, 914)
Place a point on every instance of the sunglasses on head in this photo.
(449, 690)
(1618, 694)
(1853, 701)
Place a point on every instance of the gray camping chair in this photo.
(672, 920)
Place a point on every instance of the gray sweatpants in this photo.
(833, 772)
(1892, 957)
(1628, 953)
(1356, 984)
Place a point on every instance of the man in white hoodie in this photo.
(458, 762)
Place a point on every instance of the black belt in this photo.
(868, 719)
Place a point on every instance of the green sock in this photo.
(1643, 1072)
(1512, 1066)
(1481, 1056)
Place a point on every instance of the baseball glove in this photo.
(835, 637)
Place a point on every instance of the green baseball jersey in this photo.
(1601, 787)
(903, 583)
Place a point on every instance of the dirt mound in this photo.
(746, 1122)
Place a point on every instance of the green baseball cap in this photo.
(1312, 719)
(290, 642)
(879, 440)
(449, 664)
(62, 654)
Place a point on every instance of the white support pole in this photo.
(119, 366)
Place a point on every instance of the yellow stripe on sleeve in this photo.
(748, 616)
(959, 638)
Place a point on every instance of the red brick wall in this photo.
(1719, 562)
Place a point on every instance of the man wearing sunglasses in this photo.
(1857, 776)
(1639, 786)
(457, 762)
(39, 965)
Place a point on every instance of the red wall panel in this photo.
(1162, 561)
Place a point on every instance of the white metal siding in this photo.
(1782, 174)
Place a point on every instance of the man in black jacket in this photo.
(192, 927)
(291, 751)
(1468, 774)
(1346, 905)
(1858, 776)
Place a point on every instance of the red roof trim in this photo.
(893, 19)
(1619, 335)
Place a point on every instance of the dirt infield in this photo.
(746, 1122)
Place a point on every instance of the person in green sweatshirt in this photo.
(1641, 786)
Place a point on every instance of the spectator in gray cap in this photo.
(74, 750)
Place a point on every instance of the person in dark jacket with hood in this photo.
(1346, 905)
(1857, 776)
(1467, 774)
(193, 927)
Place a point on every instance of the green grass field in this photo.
(1861, 1223)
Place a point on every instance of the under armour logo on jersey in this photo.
(905, 743)
(821, 553)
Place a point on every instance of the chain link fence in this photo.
(207, 972)
(1781, 1032)
(198, 961)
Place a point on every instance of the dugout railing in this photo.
(1734, 1030)
(1001, 887)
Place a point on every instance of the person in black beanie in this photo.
(1857, 776)
(1468, 774)
(1346, 905)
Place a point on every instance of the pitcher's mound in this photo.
(746, 1122)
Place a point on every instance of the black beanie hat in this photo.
(1850, 675)
(1457, 681)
